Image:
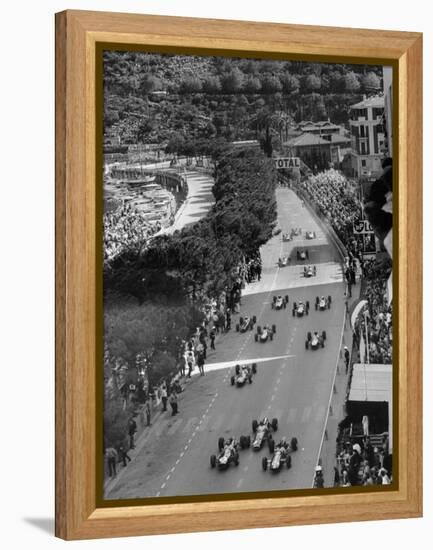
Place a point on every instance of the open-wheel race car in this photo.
(262, 431)
(287, 237)
(228, 451)
(310, 235)
(264, 334)
(246, 323)
(315, 340)
(283, 261)
(302, 254)
(310, 271)
(323, 303)
(280, 455)
(279, 302)
(300, 308)
(243, 374)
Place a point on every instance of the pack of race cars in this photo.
(280, 452)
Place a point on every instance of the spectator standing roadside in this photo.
(200, 363)
(147, 411)
(173, 403)
(112, 458)
(346, 358)
(124, 456)
(212, 339)
(132, 428)
(164, 397)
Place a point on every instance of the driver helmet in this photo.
(323, 297)
(318, 469)
(265, 420)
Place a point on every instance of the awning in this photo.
(371, 382)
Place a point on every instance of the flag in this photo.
(355, 310)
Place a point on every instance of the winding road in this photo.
(292, 384)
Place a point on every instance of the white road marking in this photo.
(158, 493)
(239, 483)
(163, 485)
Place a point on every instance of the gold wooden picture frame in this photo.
(80, 511)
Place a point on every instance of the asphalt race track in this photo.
(292, 384)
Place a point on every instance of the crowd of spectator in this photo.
(125, 228)
(364, 463)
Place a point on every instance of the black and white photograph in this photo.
(247, 275)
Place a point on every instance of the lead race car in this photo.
(243, 374)
(283, 261)
(315, 341)
(300, 308)
(264, 334)
(229, 452)
(246, 323)
(323, 303)
(310, 271)
(309, 235)
(281, 455)
(278, 302)
(302, 254)
(263, 433)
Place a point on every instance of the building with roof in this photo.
(367, 137)
(319, 149)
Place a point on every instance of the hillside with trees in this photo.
(150, 96)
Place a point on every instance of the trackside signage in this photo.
(287, 162)
(362, 227)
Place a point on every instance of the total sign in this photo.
(288, 162)
(362, 227)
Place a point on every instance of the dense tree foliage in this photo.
(203, 89)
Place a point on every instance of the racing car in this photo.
(263, 433)
(284, 261)
(299, 308)
(280, 455)
(264, 334)
(287, 237)
(228, 452)
(278, 302)
(302, 254)
(310, 235)
(310, 271)
(243, 374)
(323, 303)
(315, 341)
(246, 323)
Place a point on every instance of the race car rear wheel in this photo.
(308, 335)
(294, 444)
(212, 461)
(274, 424)
(329, 299)
(307, 303)
(264, 463)
(271, 445)
(237, 369)
(241, 320)
(286, 298)
(274, 328)
(250, 379)
(242, 442)
(255, 424)
(254, 319)
(289, 462)
(220, 443)
(317, 300)
(232, 380)
(254, 368)
(324, 334)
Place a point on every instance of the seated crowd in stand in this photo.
(124, 228)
